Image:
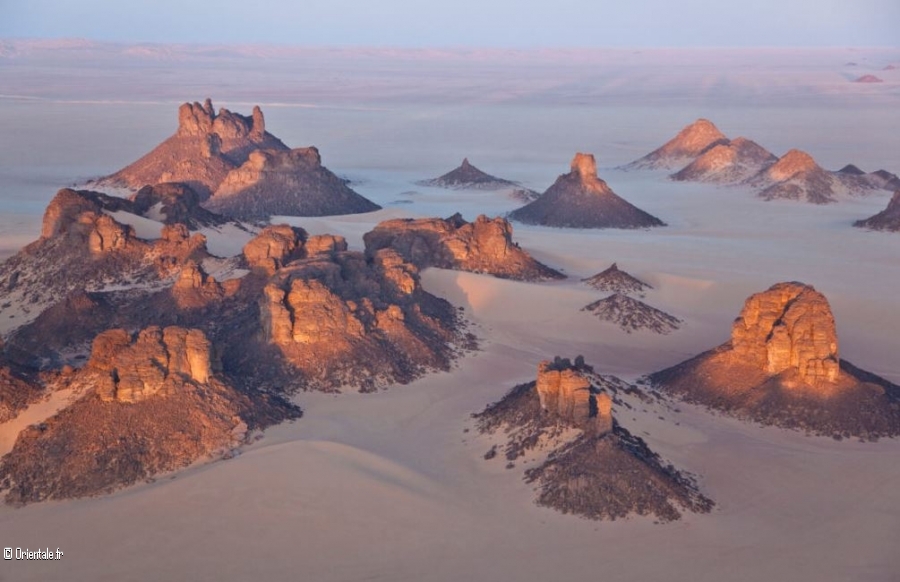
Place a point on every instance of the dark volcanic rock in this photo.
(887, 219)
(154, 403)
(690, 142)
(633, 315)
(580, 199)
(483, 246)
(599, 470)
(727, 163)
(782, 367)
(615, 280)
(467, 176)
(286, 182)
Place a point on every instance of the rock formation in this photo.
(868, 79)
(17, 390)
(347, 320)
(467, 176)
(154, 403)
(796, 176)
(690, 142)
(614, 280)
(595, 468)
(205, 147)
(580, 199)
(729, 162)
(887, 219)
(782, 367)
(173, 203)
(483, 246)
(632, 315)
(286, 182)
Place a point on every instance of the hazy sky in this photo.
(488, 23)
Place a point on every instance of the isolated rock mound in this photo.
(632, 315)
(580, 199)
(153, 403)
(868, 79)
(345, 320)
(690, 142)
(614, 280)
(206, 146)
(782, 367)
(285, 182)
(888, 219)
(467, 176)
(595, 468)
(727, 163)
(797, 176)
(483, 246)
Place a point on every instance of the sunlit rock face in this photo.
(690, 142)
(565, 392)
(483, 246)
(789, 326)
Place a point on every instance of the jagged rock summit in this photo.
(632, 315)
(580, 199)
(482, 246)
(152, 403)
(690, 142)
(595, 467)
(239, 169)
(615, 280)
(729, 162)
(467, 176)
(782, 367)
(888, 219)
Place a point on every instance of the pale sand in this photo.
(388, 486)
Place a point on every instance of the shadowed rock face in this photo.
(483, 246)
(727, 163)
(782, 367)
(888, 219)
(16, 390)
(468, 176)
(690, 142)
(205, 147)
(287, 182)
(153, 403)
(595, 467)
(173, 203)
(580, 199)
(345, 320)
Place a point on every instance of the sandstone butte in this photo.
(594, 467)
(482, 246)
(782, 367)
(579, 199)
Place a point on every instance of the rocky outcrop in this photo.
(868, 79)
(580, 199)
(285, 182)
(17, 390)
(467, 176)
(482, 246)
(888, 219)
(691, 141)
(797, 176)
(204, 149)
(343, 320)
(730, 162)
(174, 203)
(277, 245)
(153, 403)
(632, 315)
(782, 367)
(594, 467)
(614, 280)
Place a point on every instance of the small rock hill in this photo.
(615, 280)
(782, 367)
(888, 219)
(482, 246)
(690, 142)
(797, 176)
(730, 162)
(580, 199)
(467, 176)
(633, 315)
(595, 468)
(153, 403)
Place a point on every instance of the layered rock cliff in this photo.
(782, 367)
(482, 246)
(580, 199)
(592, 466)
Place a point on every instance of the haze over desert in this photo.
(276, 312)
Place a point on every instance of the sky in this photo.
(456, 23)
